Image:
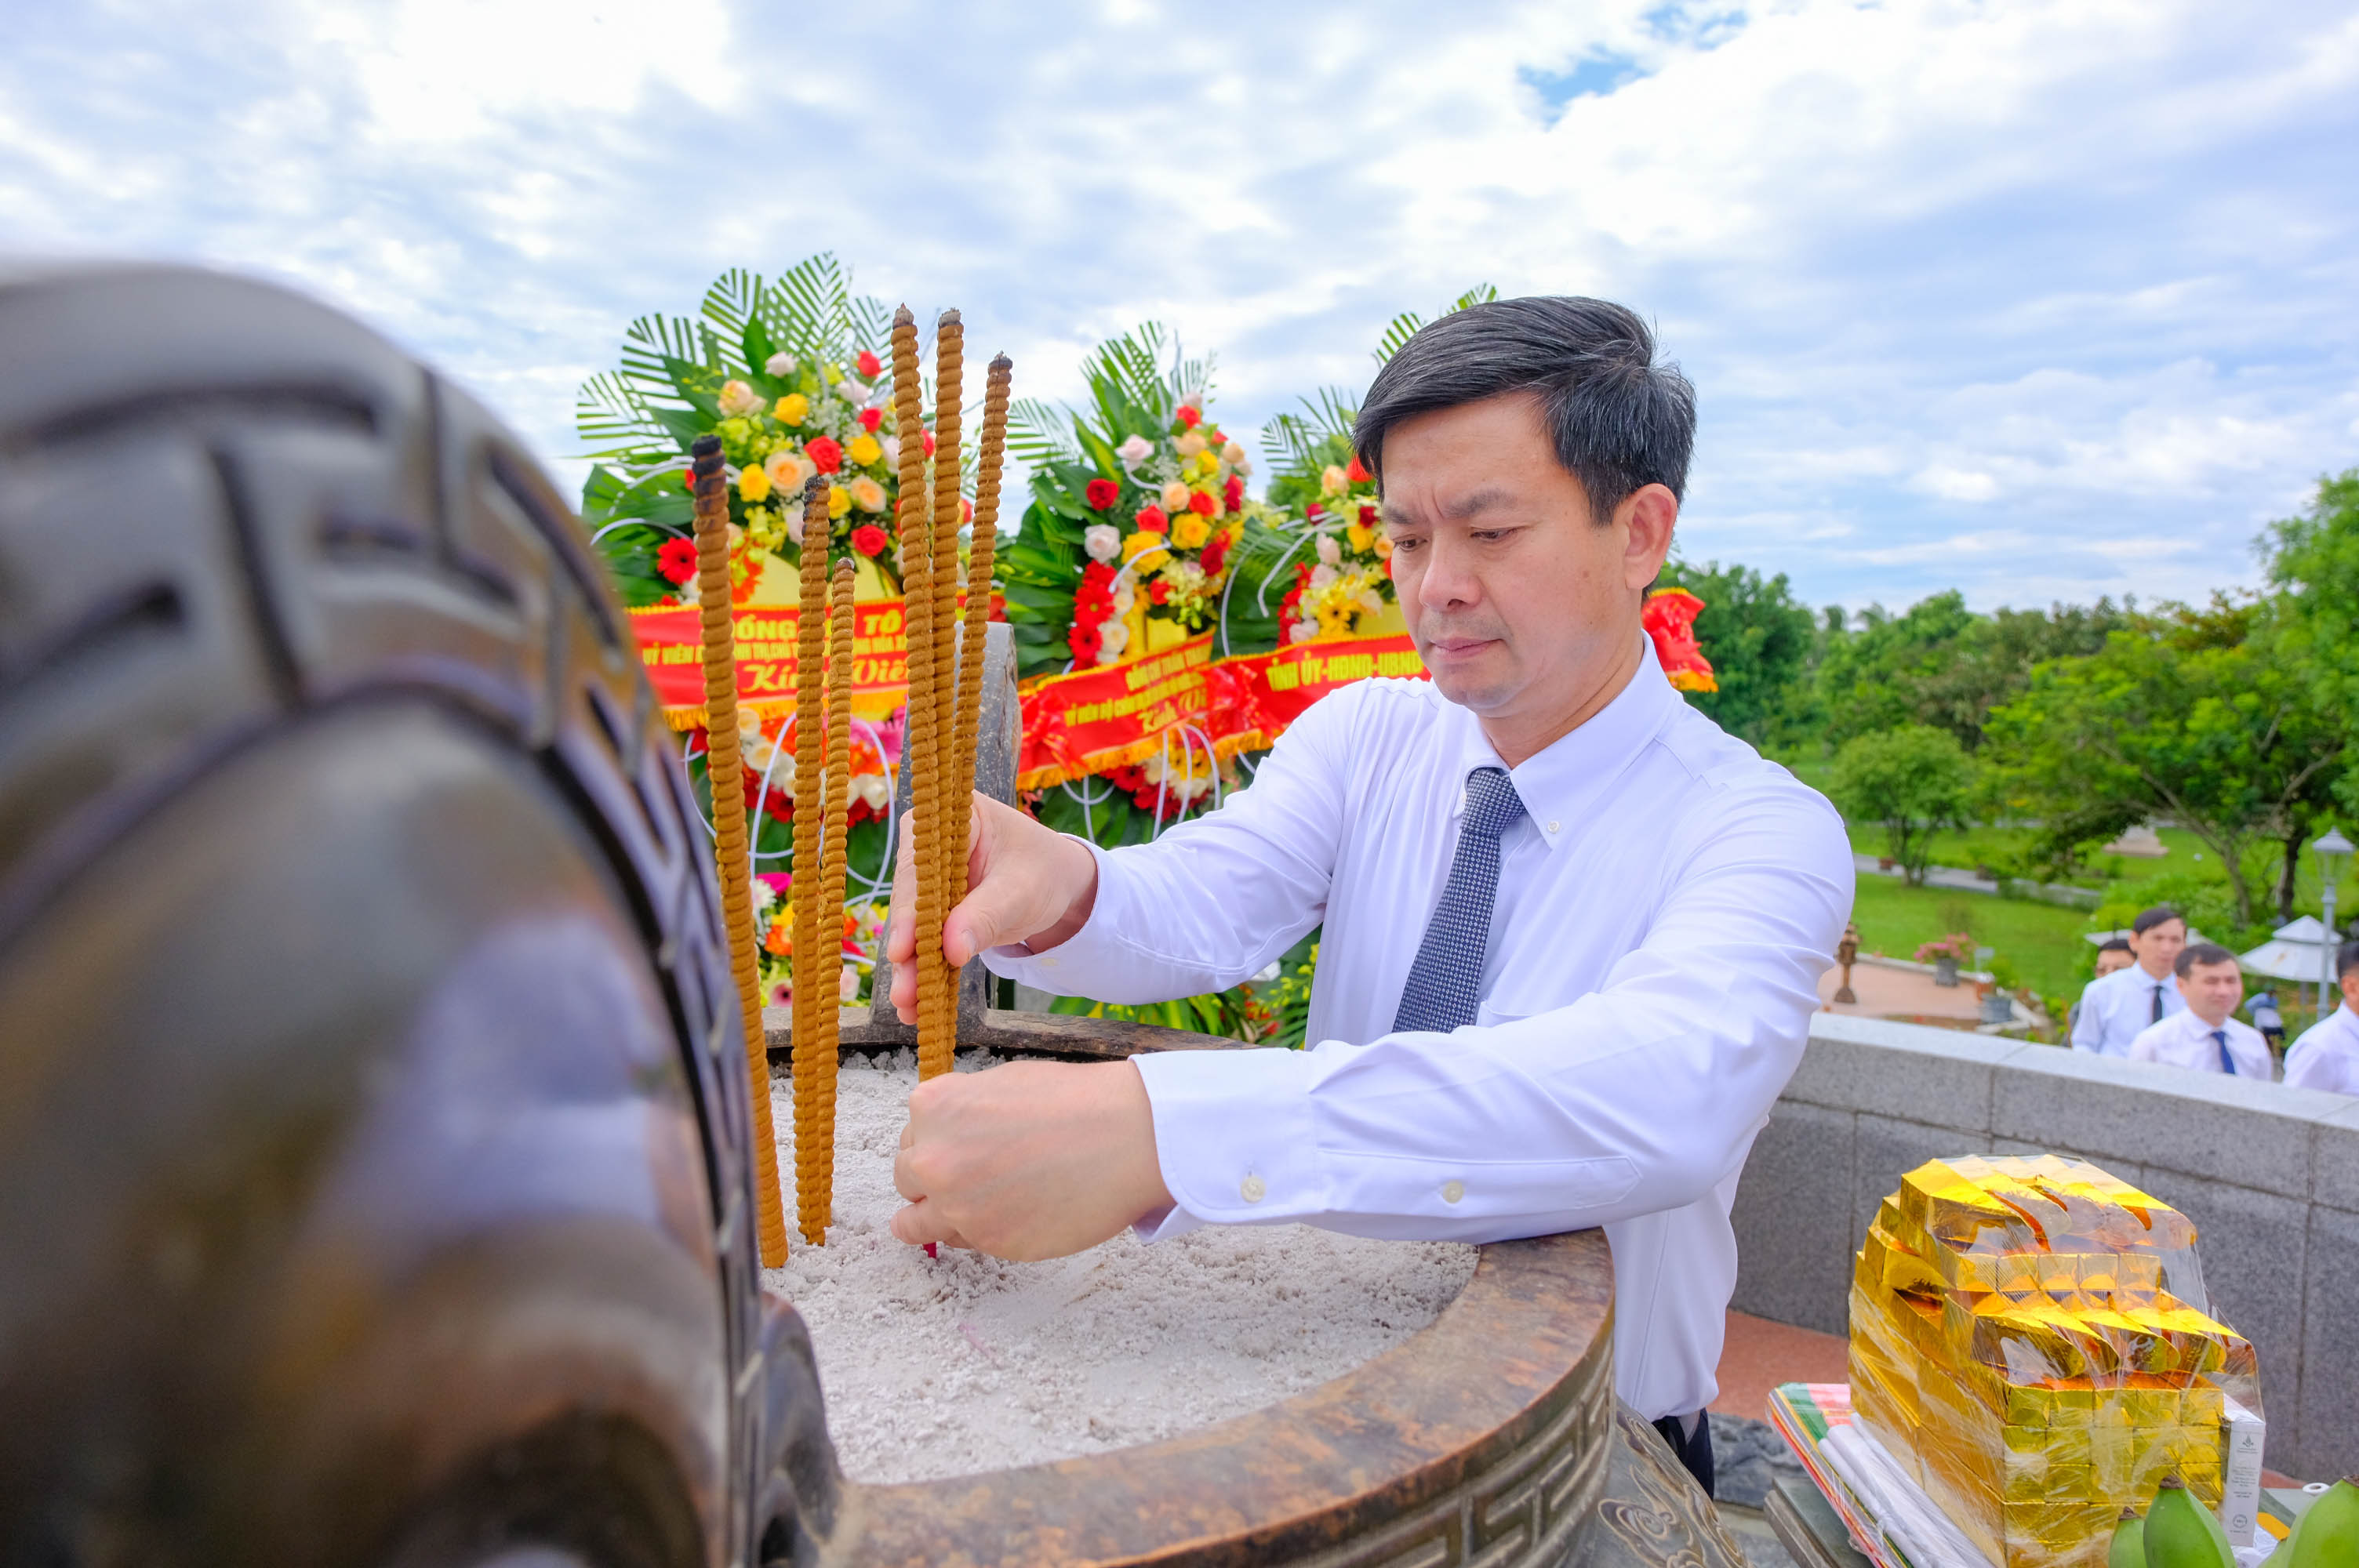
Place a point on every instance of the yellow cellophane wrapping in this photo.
(2029, 1339)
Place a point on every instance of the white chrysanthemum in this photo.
(1103, 541)
(1113, 637)
(1324, 575)
(765, 895)
(891, 445)
(1124, 598)
(1303, 631)
(871, 788)
(1330, 552)
(852, 390)
(781, 363)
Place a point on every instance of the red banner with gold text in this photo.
(1254, 700)
(1088, 721)
(671, 644)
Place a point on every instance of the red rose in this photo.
(1314, 509)
(1159, 592)
(1189, 417)
(677, 560)
(1151, 520)
(870, 418)
(869, 539)
(966, 509)
(688, 480)
(1101, 494)
(825, 455)
(1389, 567)
(1214, 439)
(1215, 554)
(1202, 506)
(1354, 472)
(871, 367)
(1367, 516)
(1233, 493)
(930, 443)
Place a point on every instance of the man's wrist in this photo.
(1085, 874)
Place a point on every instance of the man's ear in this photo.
(1646, 517)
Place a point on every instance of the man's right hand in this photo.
(1026, 883)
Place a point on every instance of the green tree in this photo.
(1914, 779)
(1938, 663)
(1758, 639)
(2197, 715)
(2314, 558)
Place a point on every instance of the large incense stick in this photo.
(832, 865)
(814, 1006)
(723, 769)
(919, 742)
(939, 766)
(990, 450)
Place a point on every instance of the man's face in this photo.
(2212, 991)
(1513, 595)
(2350, 987)
(2111, 959)
(2158, 948)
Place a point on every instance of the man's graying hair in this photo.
(1618, 420)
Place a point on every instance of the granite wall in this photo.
(2269, 1175)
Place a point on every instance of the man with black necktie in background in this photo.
(2116, 1007)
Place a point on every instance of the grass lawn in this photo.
(2041, 940)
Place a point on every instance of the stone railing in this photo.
(2269, 1174)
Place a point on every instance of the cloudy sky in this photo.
(2041, 301)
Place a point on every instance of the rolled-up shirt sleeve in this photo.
(1637, 1097)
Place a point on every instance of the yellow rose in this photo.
(1384, 547)
(1145, 551)
(839, 501)
(1189, 445)
(1361, 538)
(1332, 480)
(792, 409)
(753, 484)
(866, 493)
(1175, 498)
(865, 450)
(786, 471)
(1190, 531)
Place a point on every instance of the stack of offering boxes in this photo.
(2030, 1340)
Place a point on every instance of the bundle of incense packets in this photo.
(945, 681)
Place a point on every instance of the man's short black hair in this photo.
(2196, 953)
(2114, 945)
(2346, 957)
(1618, 420)
(2160, 914)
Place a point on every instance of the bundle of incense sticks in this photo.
(938, 751)
(732, 857)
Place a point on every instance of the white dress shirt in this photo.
(2116, 1007)
(1664, 911)
(2326, 1056)
(2183, 1040)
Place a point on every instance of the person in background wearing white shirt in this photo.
(2327, 1055)
(1572, 930)
(2205, 1036)
(2116, 1007)
(2113, 957)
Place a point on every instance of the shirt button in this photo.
(1452, 1191)
(1551, 827)
(1252, 1189)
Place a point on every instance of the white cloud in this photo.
(1975, 295)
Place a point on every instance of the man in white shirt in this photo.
(1572, 932)
(2205, 1036)
(2112, 958)
(2326, 1056)
(2116, 1007)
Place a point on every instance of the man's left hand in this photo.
(1028, 1160)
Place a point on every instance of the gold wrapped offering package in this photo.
(2030, 1339)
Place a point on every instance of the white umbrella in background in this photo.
(2295, 951)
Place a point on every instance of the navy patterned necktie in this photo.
(1445, 982)
(2227, 1063)
(2158, 1002)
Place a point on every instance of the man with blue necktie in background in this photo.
(2205, 1036)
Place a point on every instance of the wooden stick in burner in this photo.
(990, 451)
(813, 1006)
(832, 863)
(723, 769)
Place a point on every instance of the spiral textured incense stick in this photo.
(723, 769)
(832, 863)
(815, 986)
(990, 450)
(922, 740)
(940, 764)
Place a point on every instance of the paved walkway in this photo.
(1904, 994)
(1959, 880)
